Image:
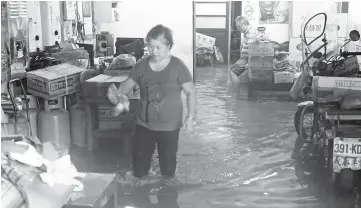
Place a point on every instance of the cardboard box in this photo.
(261, 49)
(110, 125)
(261, 63)
(117, 73)
(283, 77)
(335, 87)
(54, 81)
(261, 76)
(97, 87)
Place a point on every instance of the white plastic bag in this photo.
(30, 156)
(121, 102)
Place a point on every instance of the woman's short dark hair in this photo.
(158, 31)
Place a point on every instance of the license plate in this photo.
(347, 147)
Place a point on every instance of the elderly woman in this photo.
(161, 78)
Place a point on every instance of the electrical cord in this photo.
(79, 27)
(95, 29)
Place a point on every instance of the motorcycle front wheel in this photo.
(296, 120)
(303, 121)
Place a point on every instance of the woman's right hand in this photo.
(125, 87)
(123, 104)
(116, 110)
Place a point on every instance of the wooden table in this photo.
(41, 195)
(100, 190)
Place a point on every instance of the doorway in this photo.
(212, 19)
(235, 35)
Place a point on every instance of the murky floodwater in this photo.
(239, 156)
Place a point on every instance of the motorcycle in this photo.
(334, 135)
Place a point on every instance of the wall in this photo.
(354, 15)
(301, 10)
(277, 32)
(212, 20)
(354, 23)
(136, 19)
(297, 11)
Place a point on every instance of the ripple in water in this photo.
(239, 156)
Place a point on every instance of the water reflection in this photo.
(143, 197)
(239, 156)
(316, 183)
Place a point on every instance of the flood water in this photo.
(238, 156)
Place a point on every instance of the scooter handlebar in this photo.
(345, 54)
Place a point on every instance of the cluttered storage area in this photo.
(58, 61)
(275, 49)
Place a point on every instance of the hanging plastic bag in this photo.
(121, 102)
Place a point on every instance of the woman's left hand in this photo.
(188, 124)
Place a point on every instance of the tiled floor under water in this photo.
(238, 156)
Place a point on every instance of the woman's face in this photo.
(158, 48)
